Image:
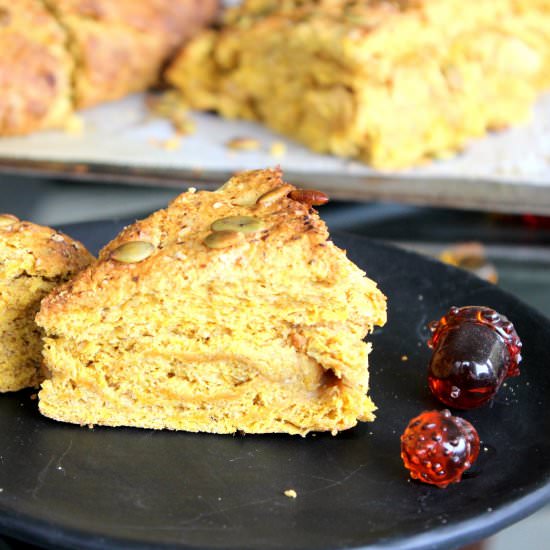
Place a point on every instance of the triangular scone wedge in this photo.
(252, 324)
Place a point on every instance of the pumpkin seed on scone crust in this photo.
(33, 260)
(216, 331)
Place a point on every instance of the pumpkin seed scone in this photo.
(229, 310)
(33, 260)
(390, 82)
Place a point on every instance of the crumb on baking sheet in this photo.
(74, 125)
(171, 144)
(404, 358)
(243, 144)
(277, 149)
(290, 493)
(170, 106)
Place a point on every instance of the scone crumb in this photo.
(171, 107)
(74, 125)
(404, 358)
(171, 144)
(34, 396)
(277, 149)
(243, 144)
(192, 190)
(290, 493)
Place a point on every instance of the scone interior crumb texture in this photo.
(392, 83)
(220, 313)
(33, 260)
(61, 55)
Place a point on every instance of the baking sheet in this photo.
(122, 141)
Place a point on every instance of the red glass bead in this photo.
(437, 448)
(474, 350)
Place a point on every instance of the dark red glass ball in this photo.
(474, 350)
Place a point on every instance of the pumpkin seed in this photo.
(241, 224)
(223, 239)
(7, 219)
(132, 252)
(274, 195)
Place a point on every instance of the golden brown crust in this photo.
(61, 55)
(47, 252)
(33, 260)
(288, 222)
(180, 325)
(119, 47)
(35, 69)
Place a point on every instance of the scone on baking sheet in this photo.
(60, 55)
(33, 260)
(119, 46)
(392, 83)
(229, 310)
(35, 69)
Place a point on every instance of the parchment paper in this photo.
(513, 165)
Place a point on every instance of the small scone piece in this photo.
(229, 310)
(390, 82)
(33, 260)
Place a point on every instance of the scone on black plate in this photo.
(33, 260)
(230, 310)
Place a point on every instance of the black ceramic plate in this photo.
(66, 486)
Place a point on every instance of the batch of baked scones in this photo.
(390, 82)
